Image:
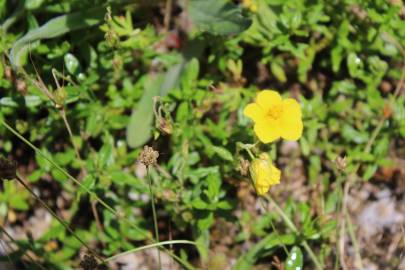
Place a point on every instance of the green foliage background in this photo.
(341, 59)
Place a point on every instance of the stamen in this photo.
(275, 112)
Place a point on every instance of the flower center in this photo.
(275, 112)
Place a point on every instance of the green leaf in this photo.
(295, 259)
(278, 72)
(88, 182)
(35, 176)
(106, 155)
(1, 71)
(369, 172)
(355, 65)
(54, 28)
(351, 134)
(217, 17)
(8, 102)
(199, 204)
(222, 153)
(139, 129)
(72, 64)
(33, 4)
(58, 175)
(205, 222)
(285, 239)
(225, 205)
(214, 185)
(32, 101)
(18, 203)
(191, 52)
(190, 74)
(246, 261)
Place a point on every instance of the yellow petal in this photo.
(261, 190)
(254, 112)
(268, 131)
(290, 123)
(291, 109)
(264, 174)
(291, 130)
(275, 175)
(267, 99)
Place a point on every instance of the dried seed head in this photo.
(88, 262)
(21, 86)
(8, 72)
(341, 163)
(243, 167)
(387, 111)
(8, 169)
(165, 126)
(148, 156)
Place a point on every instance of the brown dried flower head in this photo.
(341, 163)
(88, 262)
(148, 156)
(165, 126)
(8, 169)
(243, 167)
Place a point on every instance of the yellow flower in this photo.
(264, 174)
(274, 117)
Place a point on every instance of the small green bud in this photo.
(60, 96)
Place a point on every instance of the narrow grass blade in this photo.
(155, 245)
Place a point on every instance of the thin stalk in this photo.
(154, 215)
(354, 241)
(262, 202)
(291, 225)
(3, 247)
(15, 242)
(274, 229)
(340, 227)
(61, 221)
(19, 12)
(93, 195)
(247, 148)
(168, 12)
(76, 149)
(369, 144)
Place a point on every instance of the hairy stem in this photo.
(292, 227)
(61, 221)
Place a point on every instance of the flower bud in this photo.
(8, 169)
(341, 163)
(165, 126)
(243, 167)
(264, 174)
(60, 96)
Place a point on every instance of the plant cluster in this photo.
(132, 124)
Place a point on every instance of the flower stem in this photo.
(154, 216)
(110, 209)
(18, 245)
(274, 227)
(291, 225)
(60, 220)
(247, 147)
